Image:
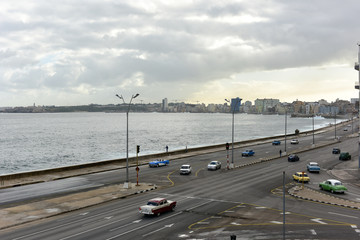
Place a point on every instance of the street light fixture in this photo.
(238, 100)
(126, 184)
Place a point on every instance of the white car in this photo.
(185, 169)
(214, 165)
(294, 141)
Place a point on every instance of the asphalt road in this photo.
(245, 202)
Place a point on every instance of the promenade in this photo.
(28, 212)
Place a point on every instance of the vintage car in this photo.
(248, 153)
(294, 141)
(344, 156)
(293, 158)
(156, 206)
(276, 142)
(158, 163)
(185, 169)
(301, 177)
(313, 167)
(332, 185)
(214, 165)
(336, 150)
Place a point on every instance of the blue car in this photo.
(276, 142)
(159, 163)
(248, 153)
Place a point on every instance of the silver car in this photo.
(214, 165)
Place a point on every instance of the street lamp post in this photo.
(126, 184)
(285, 130)
(238, 100)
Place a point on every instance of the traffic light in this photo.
(227, 146)
(137, 148)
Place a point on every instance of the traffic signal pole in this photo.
(137, 165)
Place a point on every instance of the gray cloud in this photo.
(167, 49)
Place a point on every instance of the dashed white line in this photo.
(313, 232)
(342, 215)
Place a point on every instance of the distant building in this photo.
(266, 105)
(164, 105)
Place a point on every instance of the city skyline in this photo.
(81, 52)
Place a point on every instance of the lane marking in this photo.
(318, 220)
(353, 226)
(342, 215)
(276, 222)
(132, 230)
(196, 174)
(198, 205)
(166, 226)
(313, 232)
(168, 177)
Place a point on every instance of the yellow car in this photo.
(301, 177)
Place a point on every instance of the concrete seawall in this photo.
(108, 165)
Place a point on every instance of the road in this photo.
(245, 202)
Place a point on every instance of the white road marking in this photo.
(203, 223)
(276, 222)
(342, 215)
(234, 223)
(229, 211)
(132, 230)
(260, 207)
(83, 214)
(357, 230)
(313, 232)
(198, 205)
(318, 220)
(353, 226)
(110, 217)
(285, 213)
(166, 226)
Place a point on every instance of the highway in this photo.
(246, 202)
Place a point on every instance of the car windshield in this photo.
(213, 163)
(314, 164)
(184, 167)
(152, 203)
(337, 183)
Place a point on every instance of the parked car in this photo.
(345, 129)
(294, 141)
(344, 156)
(301, 177)
(214, 165)
(333, 185)
(276, 142)
(156, 206)
(185, 169)
(293, 158)
(248, 153)
(336, 151)
(313, 167)
(158, 163)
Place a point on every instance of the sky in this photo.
(79, 52)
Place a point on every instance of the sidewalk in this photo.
(21, 214)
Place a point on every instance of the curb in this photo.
(292, 190)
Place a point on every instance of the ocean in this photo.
(35, 141)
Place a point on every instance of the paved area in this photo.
(42, 209)
(346, 171)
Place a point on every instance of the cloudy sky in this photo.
(75, 52)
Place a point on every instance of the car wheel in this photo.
(158, 214)
(172, 208)
(321, 188)
(332, 191)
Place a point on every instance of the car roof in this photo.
(313, 163)
(333, 180)
(185, 165)
(301, 172)
(156, 199)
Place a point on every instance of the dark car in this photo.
(336, 151)
(293, 158)
(276, 142)
(344, 156)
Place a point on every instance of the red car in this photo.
(156, 206)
